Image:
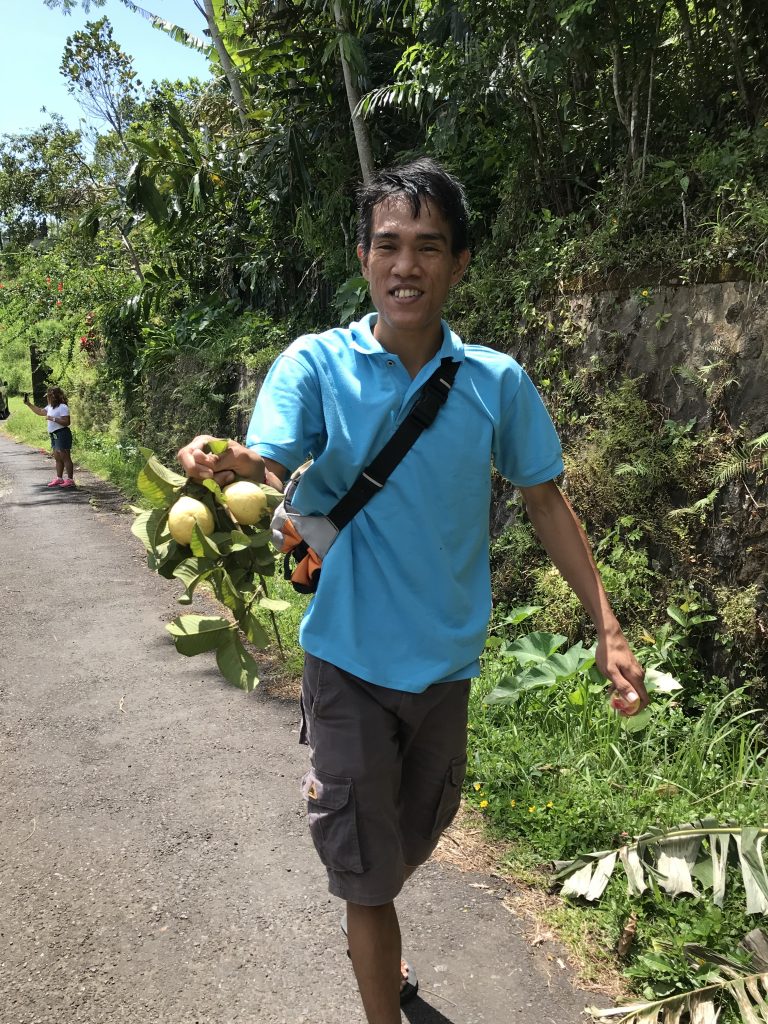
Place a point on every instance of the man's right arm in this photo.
(236, 461)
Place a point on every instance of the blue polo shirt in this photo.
(405, 592)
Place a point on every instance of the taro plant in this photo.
(535, 663)
(234, 560)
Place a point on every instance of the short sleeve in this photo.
(526, 448)
(287, 423)
(63, 410)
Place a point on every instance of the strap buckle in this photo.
(432, 398)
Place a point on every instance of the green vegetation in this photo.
(603, 143)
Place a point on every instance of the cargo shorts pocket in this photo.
(450, 798)
(333, 820)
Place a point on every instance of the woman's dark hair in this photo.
(419, 180)
(57, 396)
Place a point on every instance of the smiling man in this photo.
(394, 633)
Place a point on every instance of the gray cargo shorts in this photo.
(386, 776)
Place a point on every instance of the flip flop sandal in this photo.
(410, 983)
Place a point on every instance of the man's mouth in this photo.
(406, 293)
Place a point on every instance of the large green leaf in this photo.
(520, 614)
(191, 571)
(236, 664)
(147, 526)
(540, 672)
(213, 487)
(513, 686)
(274, 497)
(194, 634)
(637, 722)
(255, 631)
(274, 604)
(660, 682)
(535, 647)
(169, 555)
(227, 592)
(158, 484)
(575, 660)
(203, 546)
(258, 538)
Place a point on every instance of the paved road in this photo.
(155, 867)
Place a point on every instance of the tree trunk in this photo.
(360, 128)
(39, 376)
(530, 101)
(617, 80)
(131, 253)
(226, 62)
(648, 115)
(741, 81)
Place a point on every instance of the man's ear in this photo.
(460, 264)
(363, 257)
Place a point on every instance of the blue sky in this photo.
(33, 41)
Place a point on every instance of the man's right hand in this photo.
(236, 461)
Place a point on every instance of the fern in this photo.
(698, 508)
(752, 459)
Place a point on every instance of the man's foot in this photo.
(56, 482)
(66, 482)
(409, 985)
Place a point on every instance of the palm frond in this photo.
(674, 858)
(176, 32)
(729, 982)
(747, 992)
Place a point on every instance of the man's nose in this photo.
(406, 263)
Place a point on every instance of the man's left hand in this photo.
(618, 664)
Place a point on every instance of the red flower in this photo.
(58, 302)
(84, 340)
(47, 280)
(60, 286)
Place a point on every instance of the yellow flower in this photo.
(532, 809)
(483, 803)
(550, 804)
(478, 786)
(513, 803)
(644, 293)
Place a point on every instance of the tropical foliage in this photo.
(156, 263)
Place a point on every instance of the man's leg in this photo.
(374, 946)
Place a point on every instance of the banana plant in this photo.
(728, 981)
(674, 858)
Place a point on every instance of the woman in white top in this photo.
(56, 413)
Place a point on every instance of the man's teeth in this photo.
(406, 293)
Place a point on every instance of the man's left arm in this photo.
(567, 545)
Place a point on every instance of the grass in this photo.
(564, 778)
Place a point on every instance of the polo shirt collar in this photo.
(362, 340)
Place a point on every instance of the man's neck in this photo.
(414, 350)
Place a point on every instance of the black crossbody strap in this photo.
(429, 403)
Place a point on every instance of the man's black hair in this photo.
(419, 180)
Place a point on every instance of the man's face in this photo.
(410, 269)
